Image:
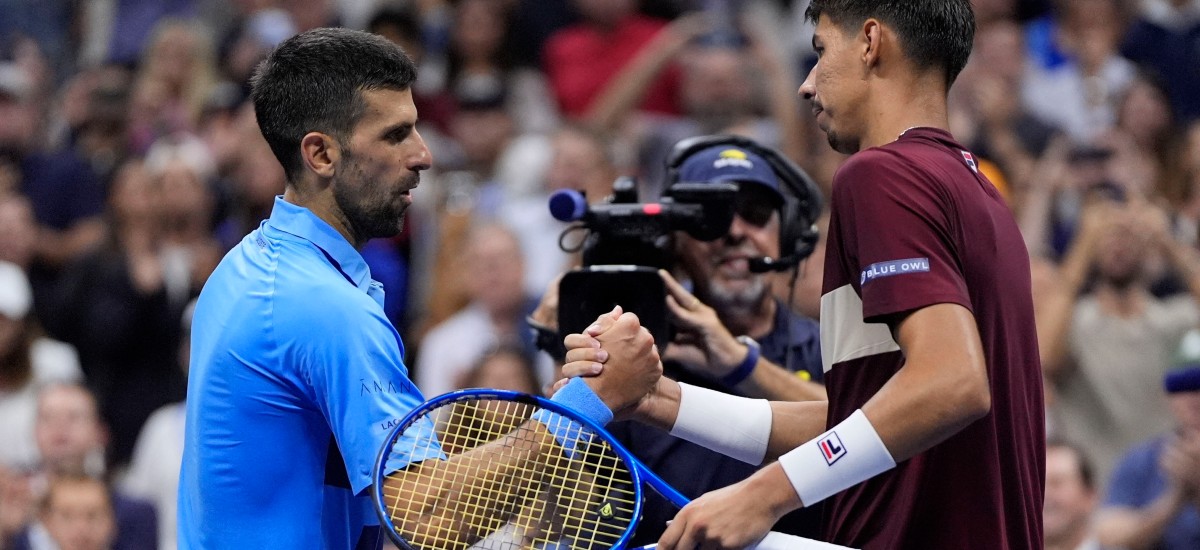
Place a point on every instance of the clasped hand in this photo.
(631, 365)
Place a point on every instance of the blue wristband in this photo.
(744, 370)
(579, 397)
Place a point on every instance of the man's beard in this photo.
(368, 208)
(840, 145)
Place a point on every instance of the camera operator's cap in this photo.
(15, 294)
(1184, 375)
(732, 164)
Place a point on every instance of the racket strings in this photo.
(511, 494)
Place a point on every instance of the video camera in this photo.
(627, 243)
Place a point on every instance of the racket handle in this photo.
(779, 541)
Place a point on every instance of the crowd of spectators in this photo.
(130, 162)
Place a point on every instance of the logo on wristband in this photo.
(831, 448)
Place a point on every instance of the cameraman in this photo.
(727, 301)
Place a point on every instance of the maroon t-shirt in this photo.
(915, 224)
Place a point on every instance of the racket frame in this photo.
(639, 472)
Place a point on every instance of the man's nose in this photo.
(737, 229)
(424, 158)
(808, 89)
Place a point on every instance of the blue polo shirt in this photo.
(297, 376)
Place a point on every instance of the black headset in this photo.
(802, 202)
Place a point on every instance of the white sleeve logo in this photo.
(894, 267)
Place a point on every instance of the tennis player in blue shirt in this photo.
(297, 376)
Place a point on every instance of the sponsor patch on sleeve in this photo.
(894, 267)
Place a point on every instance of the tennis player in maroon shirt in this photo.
(933, 435)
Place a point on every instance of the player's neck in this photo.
(323, 206)
(901, 108)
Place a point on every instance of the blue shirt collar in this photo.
(301, 222)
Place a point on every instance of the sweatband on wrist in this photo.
(838, 459)
(734, 426)
(579, 397)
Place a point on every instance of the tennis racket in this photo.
(481, 475)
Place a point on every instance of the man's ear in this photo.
(320, 153)
(871, 39)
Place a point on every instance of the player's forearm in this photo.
(795, 423)
(911, 418)
(942, 387)
(892, 427)
(750, 430)
(435, 510)
(661, 408)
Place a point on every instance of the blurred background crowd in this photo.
(130, 162)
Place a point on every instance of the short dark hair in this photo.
(314, 82)
(933, 33)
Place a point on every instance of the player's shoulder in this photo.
(870, 171)
(896, 159)
(907, 163)
(327, 303)
(875, 159)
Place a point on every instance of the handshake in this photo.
(618, 360)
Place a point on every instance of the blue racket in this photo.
(493, 469)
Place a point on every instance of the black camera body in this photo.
(627, 243)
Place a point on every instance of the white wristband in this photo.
(733, 426)
(838, 459)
